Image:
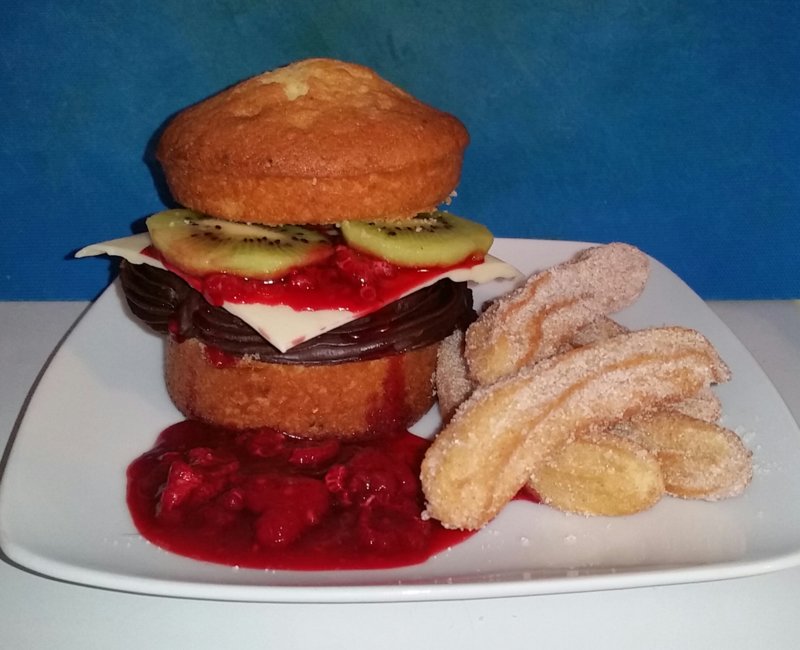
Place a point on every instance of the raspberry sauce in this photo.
(261, 499)
(347, 280)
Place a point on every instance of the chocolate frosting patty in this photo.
(168, 304)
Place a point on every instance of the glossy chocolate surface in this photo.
(167, 304)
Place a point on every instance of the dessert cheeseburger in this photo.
(308, 277)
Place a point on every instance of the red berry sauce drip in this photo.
(347, 279)
(261, 499)
(527, 493)
(219, 358)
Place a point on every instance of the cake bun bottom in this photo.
(358, 399)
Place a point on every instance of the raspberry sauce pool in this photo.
(261, 499)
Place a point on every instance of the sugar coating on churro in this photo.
(705, 406)
(699, 460)
(599, 329)
(535, 320)
(497, 437)
(452, 380)
(600, 474)
(453, 385)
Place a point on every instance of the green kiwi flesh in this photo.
(429, 239)
(199, 245)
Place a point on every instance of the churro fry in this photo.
(705, 405)
(650, 447)
(535, 320)
(503, 431)
(453, 385)
(452, 380)
(600, 474)
(612, 474)
(699, 460)
(599, 329)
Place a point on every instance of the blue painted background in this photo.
(671, 125)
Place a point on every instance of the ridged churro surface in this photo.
(600, 474)
(497, 437)
(537, 319)
(699, 460)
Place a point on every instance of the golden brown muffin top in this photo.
(317, 118)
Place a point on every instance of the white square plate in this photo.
(102, 402)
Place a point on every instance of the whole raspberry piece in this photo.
(287, 506)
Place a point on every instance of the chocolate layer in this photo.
(167, 304)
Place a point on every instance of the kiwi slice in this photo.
(429, 239)
(198, 244)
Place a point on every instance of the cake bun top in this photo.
(317, 141)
